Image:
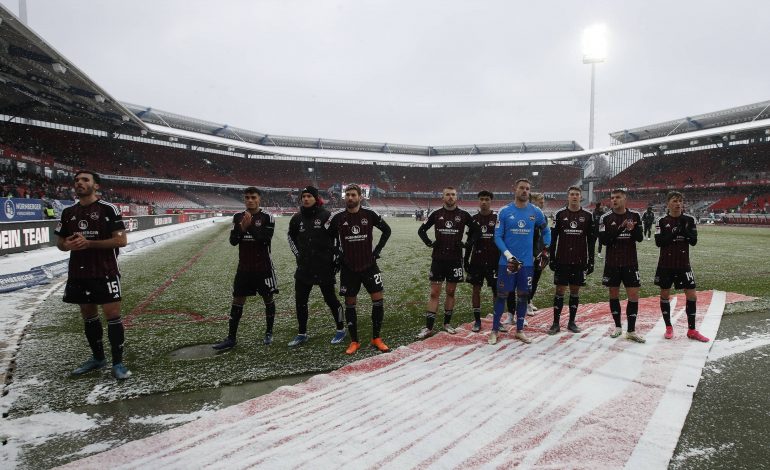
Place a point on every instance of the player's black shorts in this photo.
(569, 275)
(99, 291)
(627, 275)
(350, 281)
(247, 284)
(679, 278)
(445, 270)
(477, 274)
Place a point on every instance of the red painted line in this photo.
(139, 309)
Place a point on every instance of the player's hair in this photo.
(452, 188)
(485, 193)
(525, 180)
(252, 190)
(536, 197)
(618, 191)
(674, 194)
(574, 188)
(97, 179)
(353, 187)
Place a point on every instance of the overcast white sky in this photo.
(433, 72)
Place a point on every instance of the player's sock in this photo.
(93, 329)
(558, 305)
(116, 335)
(574, 302)
(352, 318)
(521, 311)
(665, 309)
(631, 310)
(615, 310)
(430, 319)
(269, 317)
(338, 312)
(448, 316)
(477, 314)
(500, 303)
(378, 314)
(236, 312)
(690, 311)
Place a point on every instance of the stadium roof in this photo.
(739, 115)
(37, 82)
(170, 123)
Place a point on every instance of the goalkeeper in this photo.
(514, 237)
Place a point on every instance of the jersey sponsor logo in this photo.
(483, 229)
(522, 224)
(364, 221)
(573, 224)
(83, 224)
(355, 230)
(448, 224)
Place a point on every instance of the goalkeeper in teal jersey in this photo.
(514, 235)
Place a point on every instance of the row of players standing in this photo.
(93, 230)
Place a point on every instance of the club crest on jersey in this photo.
(83, 224)
(364, 221)
(257, 223)
(355, 230)
(457, 218)
(317, 222)
(582, 219)
(94, 215)
(573, 224)
(448, 224)
(522, 224)
(491, 224)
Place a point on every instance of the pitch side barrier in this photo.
(746, 219)
(16, 237)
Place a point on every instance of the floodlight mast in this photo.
(594, 52)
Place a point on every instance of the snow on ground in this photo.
(728, 347)
(565, 401)
(16, 308)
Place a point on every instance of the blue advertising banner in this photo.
(17, 209)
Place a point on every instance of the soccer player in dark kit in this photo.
(447, 266)
(316, 254)
(572, 256)
(620, 230)
(93, 231)
(674, 234)
(481, 258)
(648, 220)
(354, 228)
(252, 233)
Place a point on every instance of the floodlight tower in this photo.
(594, 52)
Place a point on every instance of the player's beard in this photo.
(85, 191)
(352, 205)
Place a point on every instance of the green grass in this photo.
(731, 259)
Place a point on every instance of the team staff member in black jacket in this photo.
(317, 257)
(252, 233)
(648, 220)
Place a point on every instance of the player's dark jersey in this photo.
(355, 232)
(450, 227)
(484, 251)
(95, 221)
(648, 218)
(254, 243)
(572, 238)
(620, 243)
(674, 235)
